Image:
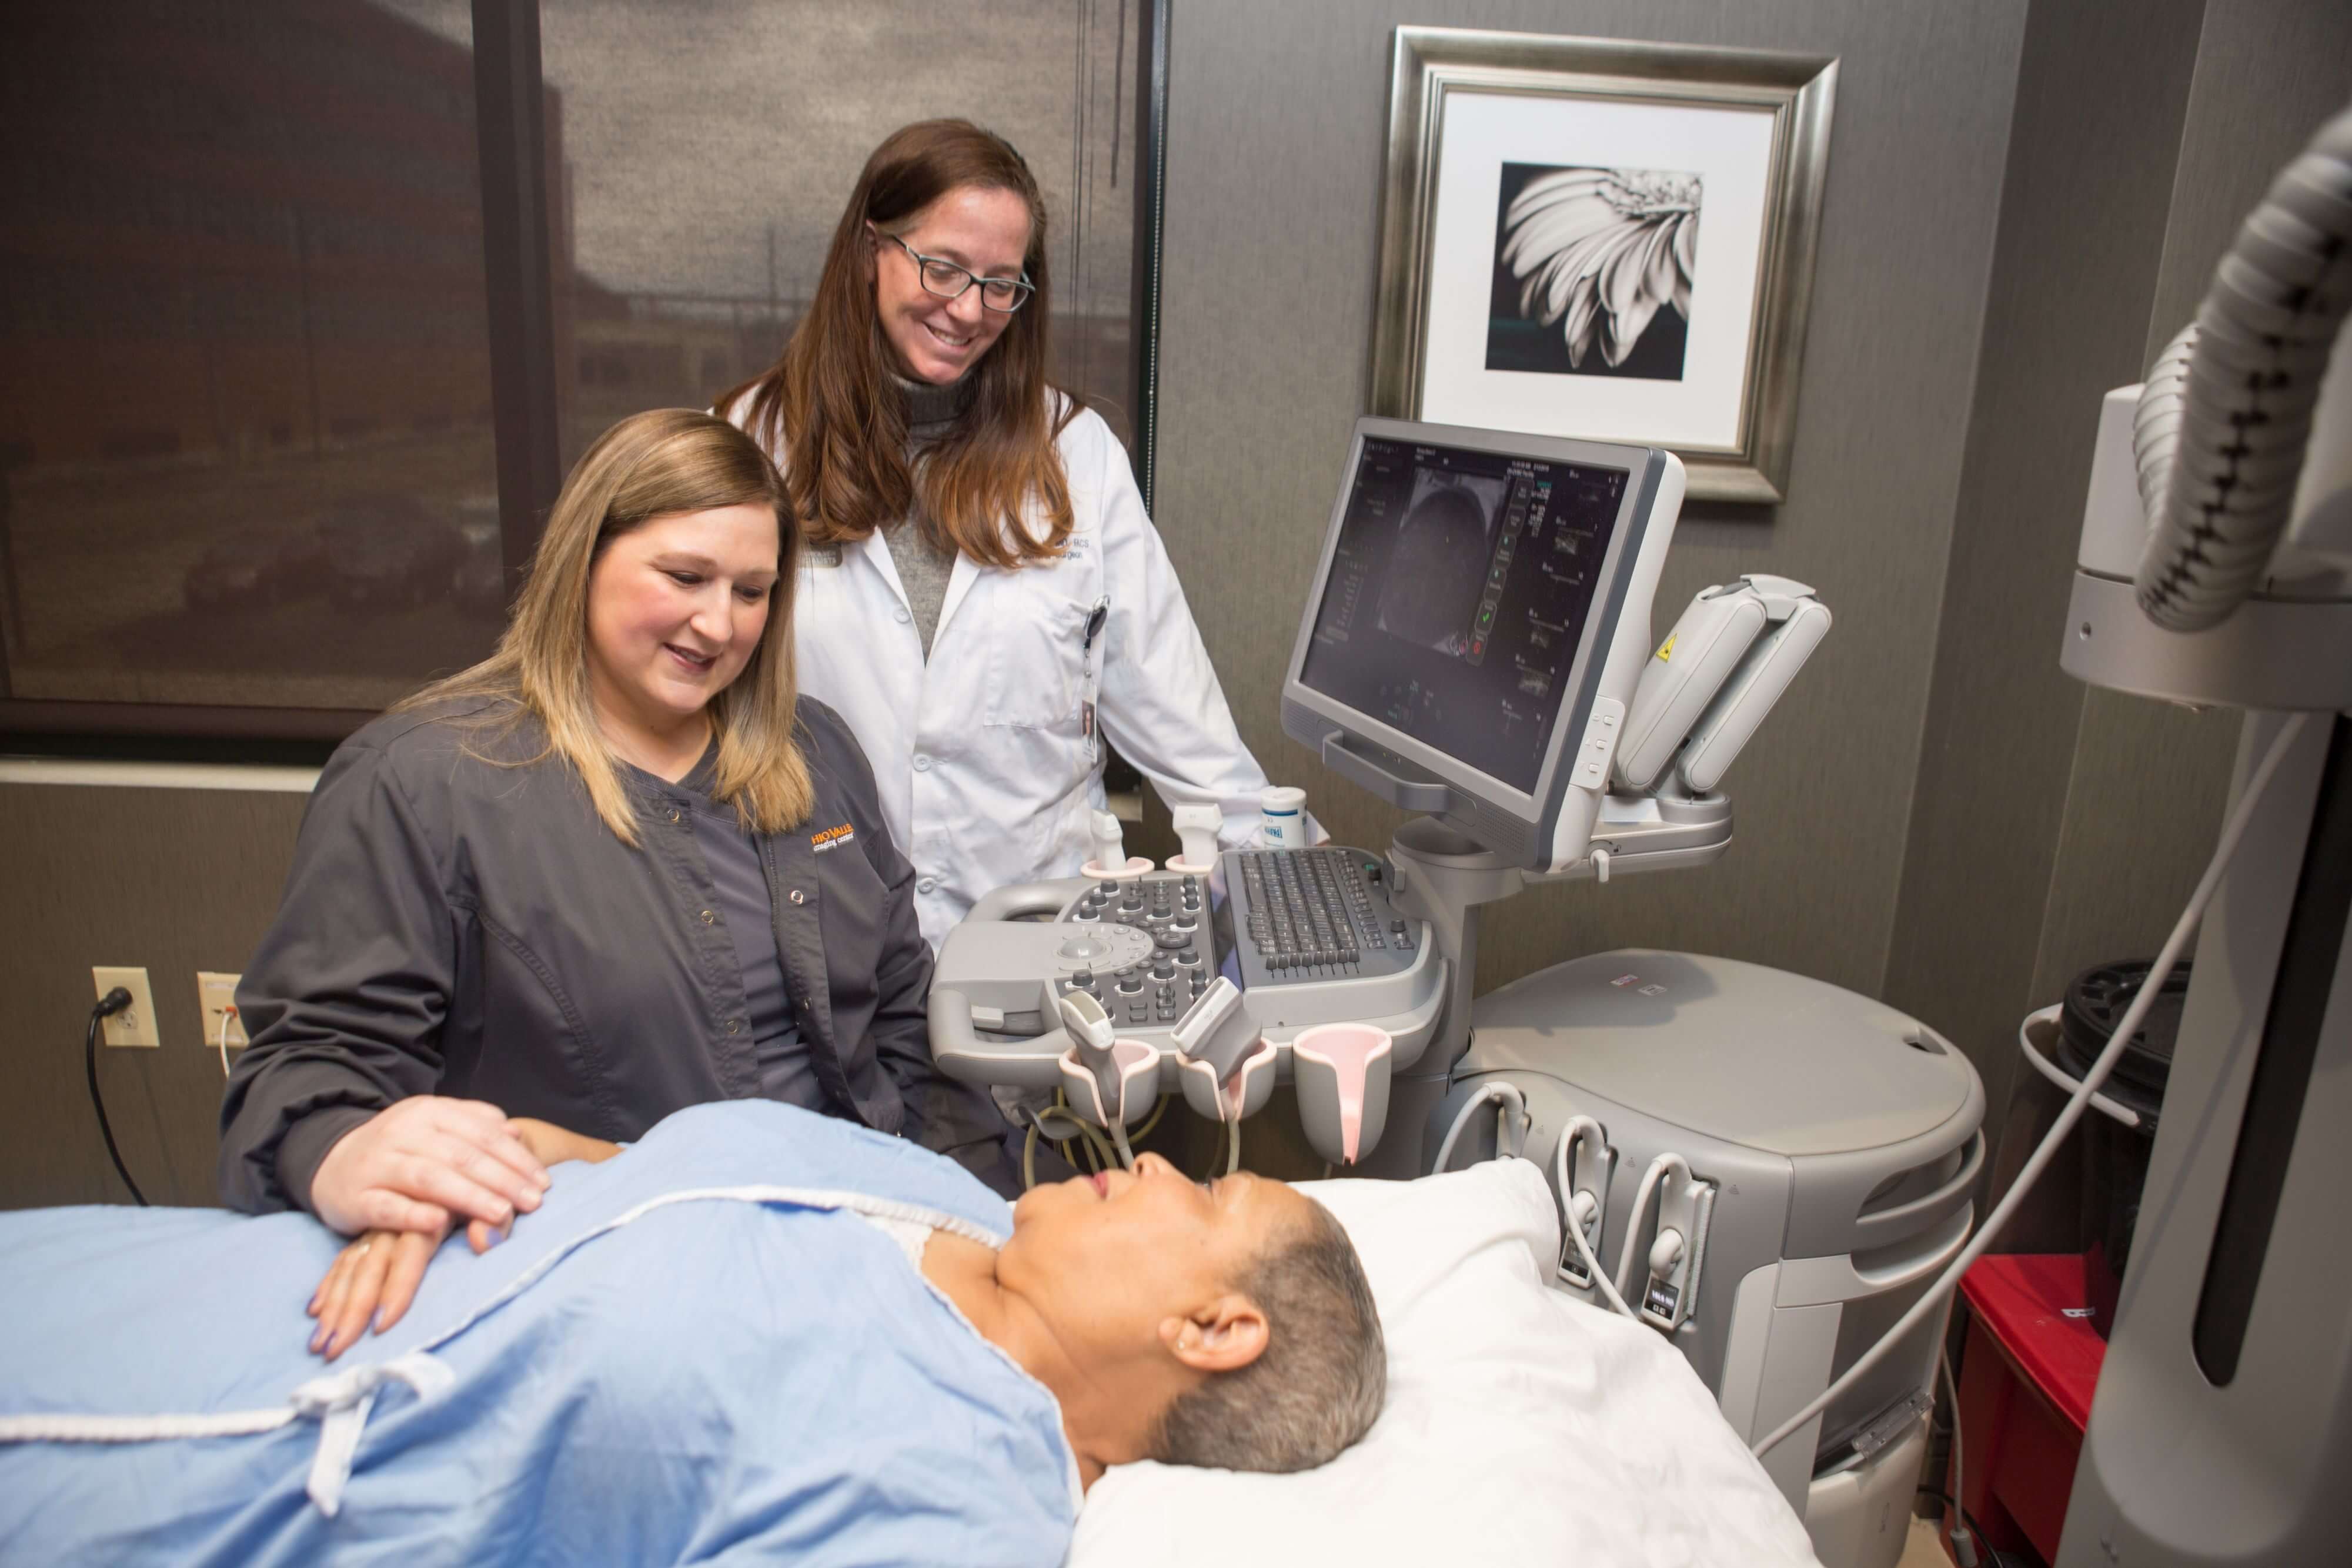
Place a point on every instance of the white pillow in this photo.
(1521, 1426)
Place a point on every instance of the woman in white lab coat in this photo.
(981, 596)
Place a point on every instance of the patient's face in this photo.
(1113, 1255)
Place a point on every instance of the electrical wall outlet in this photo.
(216, 996)
(134, 1025)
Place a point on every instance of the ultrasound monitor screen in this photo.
(1459, 594)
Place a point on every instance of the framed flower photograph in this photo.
(1591, 237)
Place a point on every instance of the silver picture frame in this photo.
(1433, 66)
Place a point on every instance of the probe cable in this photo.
(2223, 852)
(1125, 1141)
(1575, 1224)
(114, 1002)
(1965, 1523)
(1510, 1119)
(1159, 1108)
(1663, 1164)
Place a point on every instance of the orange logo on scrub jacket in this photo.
(833, 836)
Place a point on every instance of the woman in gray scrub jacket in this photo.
(618, 868)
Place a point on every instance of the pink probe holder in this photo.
(1341, 1073)
(1137, 1078)
(1242, 1094)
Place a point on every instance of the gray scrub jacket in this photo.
(471, 927)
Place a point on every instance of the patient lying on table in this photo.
(757, 1333)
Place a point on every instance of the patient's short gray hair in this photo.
(1318, 1385)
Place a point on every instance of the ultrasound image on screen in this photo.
(1458, 595)
(1440, 553)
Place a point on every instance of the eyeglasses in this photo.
(948, 281)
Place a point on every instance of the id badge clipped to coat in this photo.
(1090, 727)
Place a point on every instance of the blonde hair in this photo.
(653, 465)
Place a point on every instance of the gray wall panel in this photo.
(171, 880)
(1275, 159)
(2149, 784)
(2103, 88)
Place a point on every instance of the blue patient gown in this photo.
(697, 1352)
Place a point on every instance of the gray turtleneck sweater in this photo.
(924, 567)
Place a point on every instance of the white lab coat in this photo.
(987, 775)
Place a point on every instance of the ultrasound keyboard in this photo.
(1313, 914)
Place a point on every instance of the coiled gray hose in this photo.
(2219, 432)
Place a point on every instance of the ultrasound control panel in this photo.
(1142, 947)
(1265, 917)
(1308, 936)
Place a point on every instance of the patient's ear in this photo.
(1226, 1335)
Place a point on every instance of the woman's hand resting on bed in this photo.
(376, 1276)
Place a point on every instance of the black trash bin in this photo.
(2115, 1157)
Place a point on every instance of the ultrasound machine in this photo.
(1762, 1167)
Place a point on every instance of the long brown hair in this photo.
(652, 465)
(827, 407)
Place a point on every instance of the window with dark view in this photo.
(247, 454)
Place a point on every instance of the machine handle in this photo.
(1410, 794)
(957, 1049)
(951, 1024)
(1938, 1250)
(1022, 901)
(1905, 1217)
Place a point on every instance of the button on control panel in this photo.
(1139, 946)
(1598, 747)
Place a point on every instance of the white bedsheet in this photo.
(1521, 1426)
